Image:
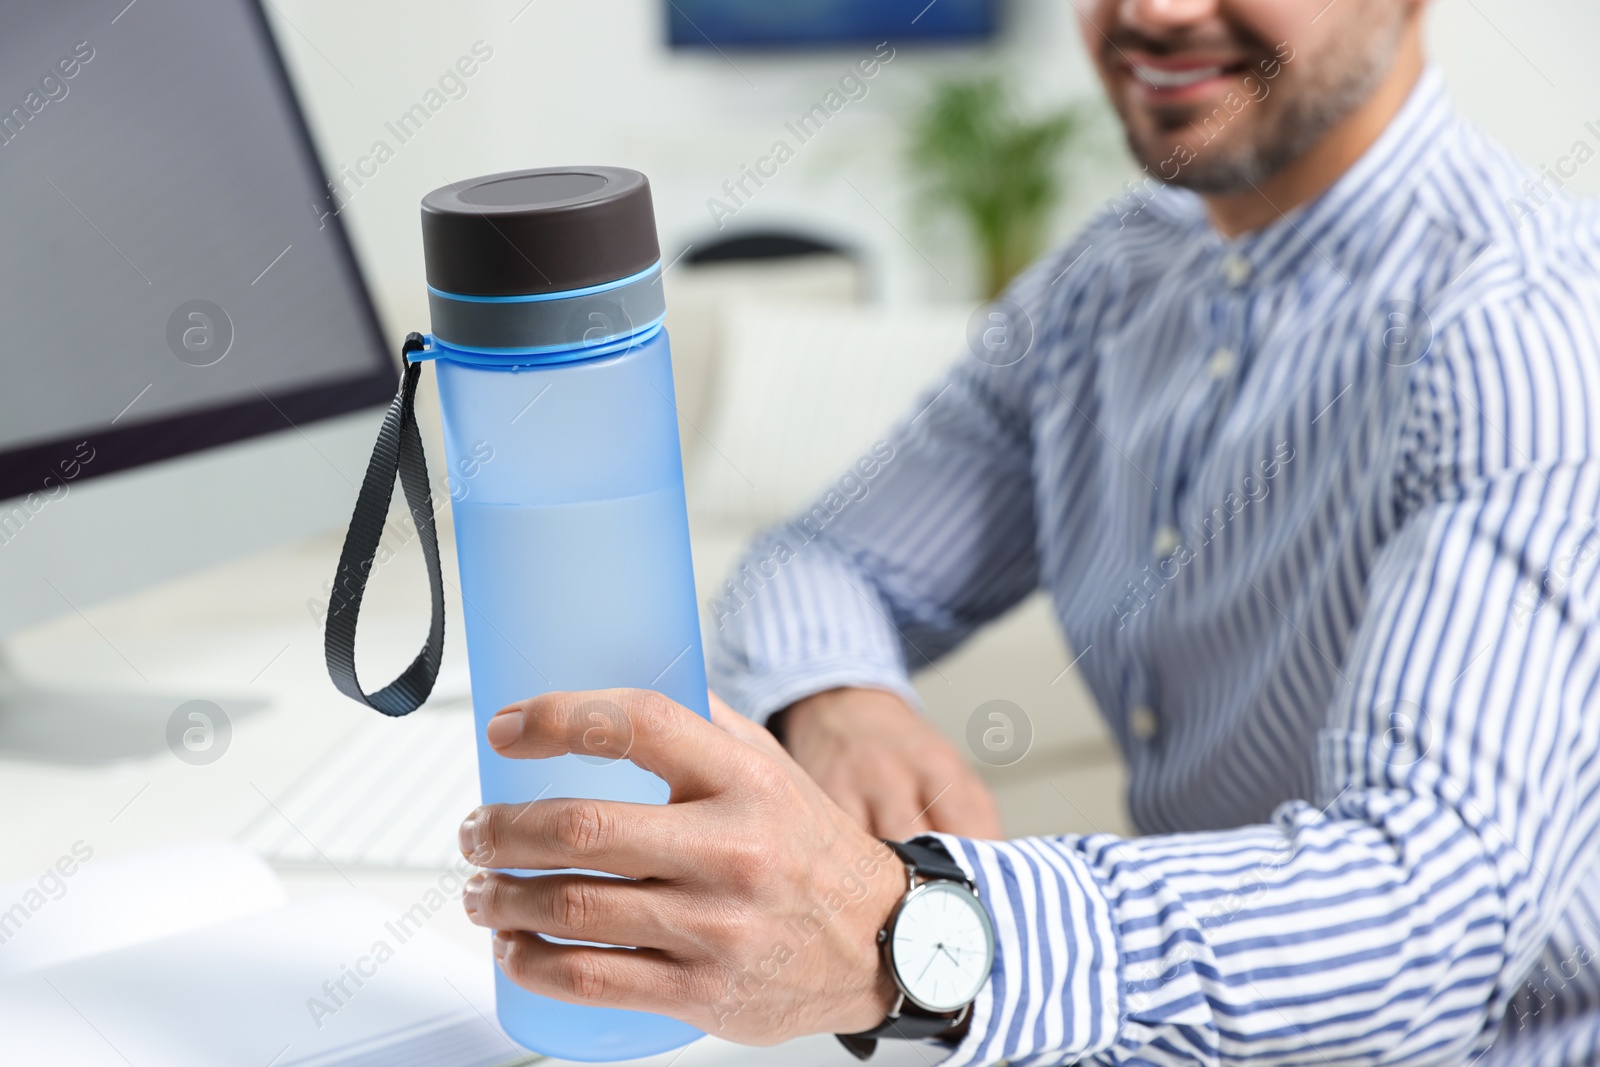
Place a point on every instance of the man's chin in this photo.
(1182, 158)
(1166, 159)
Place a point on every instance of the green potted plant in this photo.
(999, 172)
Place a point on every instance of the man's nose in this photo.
(1156, 17)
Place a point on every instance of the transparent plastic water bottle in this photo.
(561, 436)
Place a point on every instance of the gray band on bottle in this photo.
(554, 322)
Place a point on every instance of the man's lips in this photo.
(1180, 79)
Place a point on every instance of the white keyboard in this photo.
(392, 793)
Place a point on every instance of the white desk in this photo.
(245, 630)
(241, 631)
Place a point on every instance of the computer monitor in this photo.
(190, 365)
(826, 23)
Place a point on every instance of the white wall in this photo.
(1526, 72)
(593, 83)
(574, 81)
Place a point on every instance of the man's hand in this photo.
(754, 900)
(888, 766)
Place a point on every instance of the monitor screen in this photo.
(173, 278)
(761, 23)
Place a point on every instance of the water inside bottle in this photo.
(600, 598)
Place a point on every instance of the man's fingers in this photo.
(898, 812)
(693, 756)
(633, 840)
(899, 828)
(958, 803)
(612, 911)
(962, 805)
(966, 812)
(641, 979)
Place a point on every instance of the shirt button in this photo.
(1221, 363)
(1142, 723)
(1236, 269)
(1166, 542)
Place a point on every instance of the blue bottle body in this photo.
(573, 544)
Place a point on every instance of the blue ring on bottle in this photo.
(587, 318)
(502, 358)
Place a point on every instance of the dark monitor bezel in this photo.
(30, 468)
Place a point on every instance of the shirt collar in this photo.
(1327, 228)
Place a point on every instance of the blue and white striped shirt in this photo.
(1319, 504)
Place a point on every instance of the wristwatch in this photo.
(938, 945)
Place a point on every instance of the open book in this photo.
(191, 956)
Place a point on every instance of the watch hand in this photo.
(931, 958)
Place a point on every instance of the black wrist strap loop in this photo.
(398, 452)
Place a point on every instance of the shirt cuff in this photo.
(1055, 992)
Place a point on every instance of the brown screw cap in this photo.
(528, 232)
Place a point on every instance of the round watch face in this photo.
(942, 946)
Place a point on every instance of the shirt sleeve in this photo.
(1393, 918)
(927, 537)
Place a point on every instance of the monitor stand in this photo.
(94, 727)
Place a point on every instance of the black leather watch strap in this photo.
(927, 858)
(908, 1026)
(930, 859)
